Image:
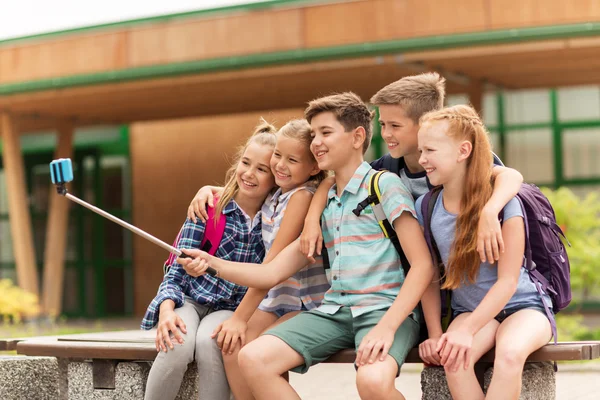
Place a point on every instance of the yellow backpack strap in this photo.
(375, 197)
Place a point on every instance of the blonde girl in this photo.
(187, 309)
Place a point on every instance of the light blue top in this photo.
(467, 297)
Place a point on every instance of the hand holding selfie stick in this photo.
(61, 172)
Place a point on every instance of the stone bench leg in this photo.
(24, 377)
(123, 380)
(539, 381)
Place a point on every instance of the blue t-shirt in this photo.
(467, 297)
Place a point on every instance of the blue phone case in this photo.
(61, 171)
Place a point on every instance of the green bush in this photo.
(579, 220)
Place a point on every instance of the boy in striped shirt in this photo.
(371, 304)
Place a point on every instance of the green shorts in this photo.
(316, 336)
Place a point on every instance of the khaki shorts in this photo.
(316, 336)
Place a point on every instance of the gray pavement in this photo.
(336, 382)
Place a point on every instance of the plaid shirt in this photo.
(239, 243)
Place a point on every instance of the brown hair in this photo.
(264, 134)
(417, 94)
(300, 129)
(349, 110)
(464, 124)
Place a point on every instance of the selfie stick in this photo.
(61, 172)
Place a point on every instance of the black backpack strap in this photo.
(427, 206)
(374, 200)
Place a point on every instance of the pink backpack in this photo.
(213, 233)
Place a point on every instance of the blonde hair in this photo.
(349, 110)
(417, 94)
(264, 134)
(464, 124)
(300, 129)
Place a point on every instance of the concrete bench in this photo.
(115, 365)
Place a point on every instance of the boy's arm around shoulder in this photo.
(311, 239)
(489, 233)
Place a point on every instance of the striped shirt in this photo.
(239, 243)
(365, 267)
(307, 286)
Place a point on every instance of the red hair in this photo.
(464, 124)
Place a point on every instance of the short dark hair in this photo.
(349, 110)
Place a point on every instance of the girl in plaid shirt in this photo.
(187, 309)
(297, 175)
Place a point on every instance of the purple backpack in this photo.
(545, 255)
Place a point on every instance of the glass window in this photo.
(530, 152)
(9, 273)
(579, 103)
(3, 194)
(6, 245)
(495, 142)
(583, 190)
(490, 109)
(456, 99)
(527, 106)
(580, 153)
(71, 299)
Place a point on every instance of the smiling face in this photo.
(253, 175)
(332, 145)
(292, 163)
(440, 153)
(398, 130)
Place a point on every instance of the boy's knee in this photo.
(251, 357)
(372, 384)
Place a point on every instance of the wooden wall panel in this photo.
(171, 160)
(376, 20)
(219, 37)
(522, 13)
(76, 55)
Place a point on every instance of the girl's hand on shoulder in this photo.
(455, 349)
(374, 345)
(489, 236)
(168, 321)
(428, 353)
(198, 205)
(197, 265)
(229, 332)
(311, 240)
